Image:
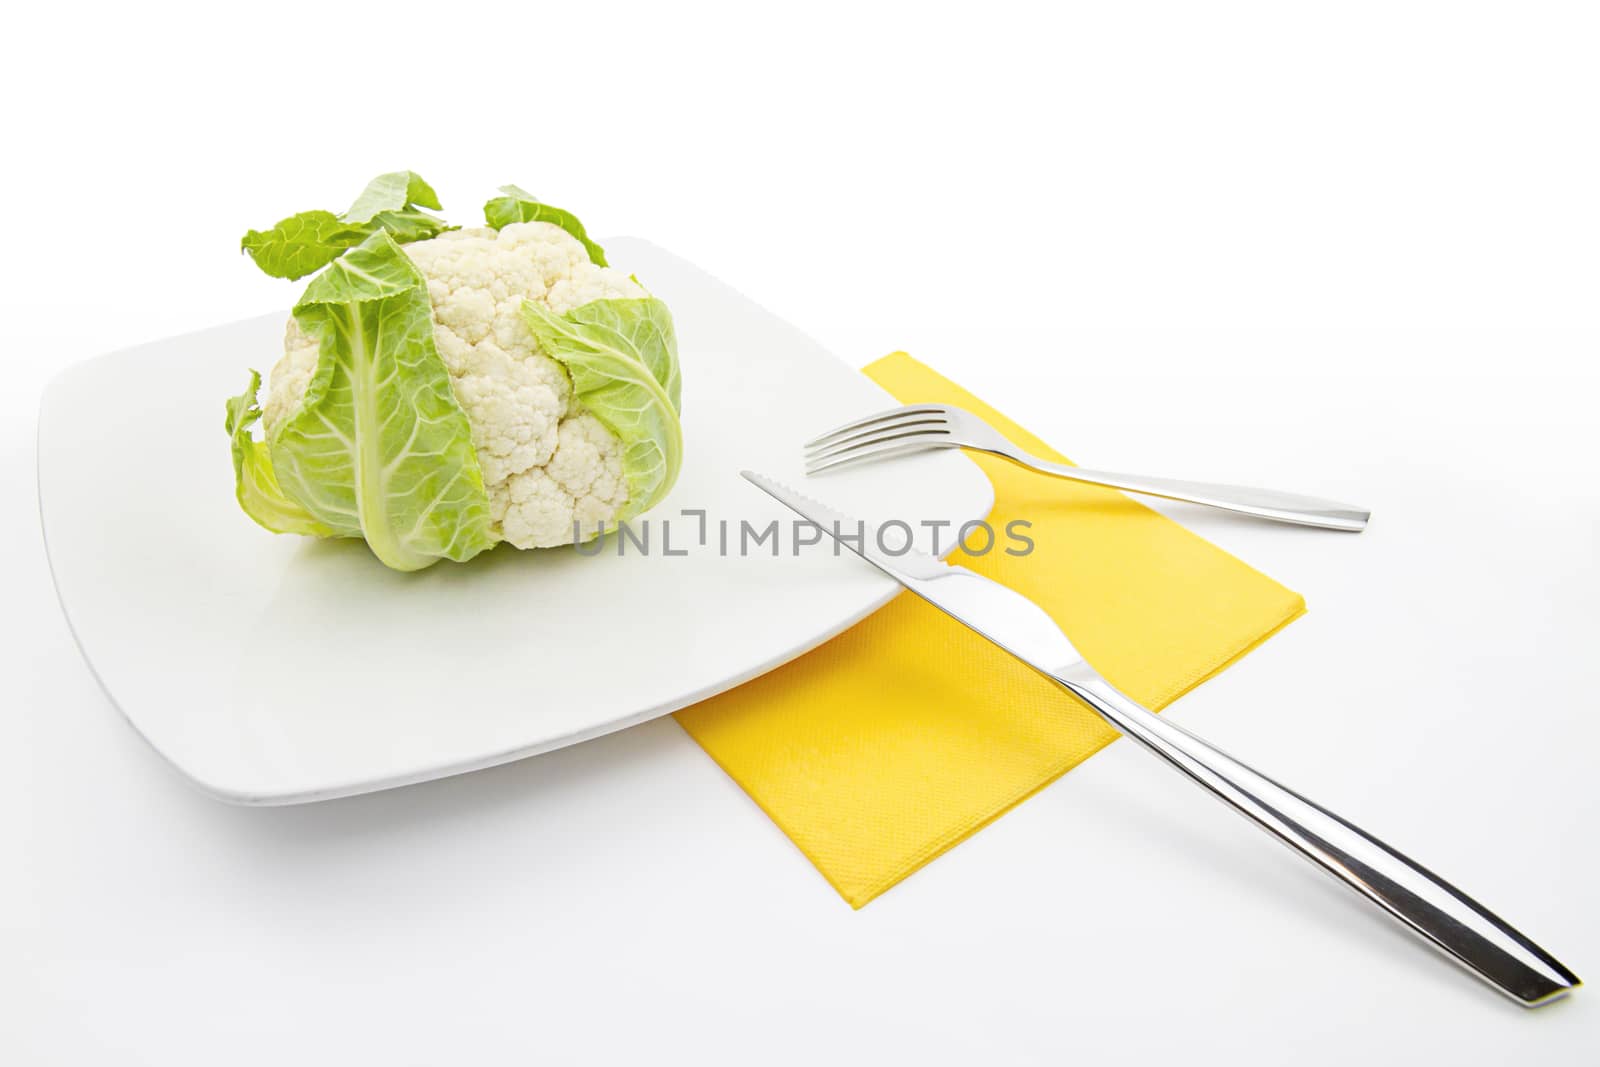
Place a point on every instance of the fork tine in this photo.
(922, 424)
(894, 414)
(884, 449)
(897, 432)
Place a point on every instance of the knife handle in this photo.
(1417, 898)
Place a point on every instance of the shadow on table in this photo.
(1268, 878)
(553, 785)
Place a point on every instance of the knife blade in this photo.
(1443, 916)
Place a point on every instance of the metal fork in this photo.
(923, 426)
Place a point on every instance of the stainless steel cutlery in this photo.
(924, 426)
(1419, 900)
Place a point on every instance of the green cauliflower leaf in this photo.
(305, 243)
(518, 205)
(255, 485)
(622, 357)
(379, 448)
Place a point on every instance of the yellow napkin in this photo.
(897, 739)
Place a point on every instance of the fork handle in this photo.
(1263, 503)
(1418, 899)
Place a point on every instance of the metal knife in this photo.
(1446, 918)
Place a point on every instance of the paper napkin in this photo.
(896, 740)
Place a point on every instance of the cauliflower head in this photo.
(549, 466)
(444, 390)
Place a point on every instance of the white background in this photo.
(1348, 249)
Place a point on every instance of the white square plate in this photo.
(277, 670)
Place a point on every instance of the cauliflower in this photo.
(443, 390)
(547, 463)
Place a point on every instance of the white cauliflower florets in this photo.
(546, 462)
